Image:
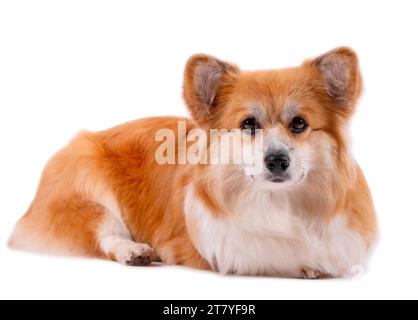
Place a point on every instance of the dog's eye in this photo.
(250, 124)
(298, 125)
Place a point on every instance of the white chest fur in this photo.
(264, 237)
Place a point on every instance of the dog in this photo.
(308, 213)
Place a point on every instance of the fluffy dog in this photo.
(308, 213)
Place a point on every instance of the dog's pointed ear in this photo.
(340, 73)
(205, 78)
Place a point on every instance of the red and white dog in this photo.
(307, 214)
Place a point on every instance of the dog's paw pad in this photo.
(134, 254)
(310, 274)
(138, 261)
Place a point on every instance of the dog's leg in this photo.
(79, 227)
(116, 243)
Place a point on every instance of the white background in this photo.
(71, 65)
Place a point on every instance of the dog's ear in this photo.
(340, 73)
(205, 79)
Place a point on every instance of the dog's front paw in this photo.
(134, 254)
(311, 274)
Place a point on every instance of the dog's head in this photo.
(301, 112)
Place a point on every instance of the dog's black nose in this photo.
(278, 162)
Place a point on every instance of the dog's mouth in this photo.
(278, 179)
(282, 179)
(285, 178)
